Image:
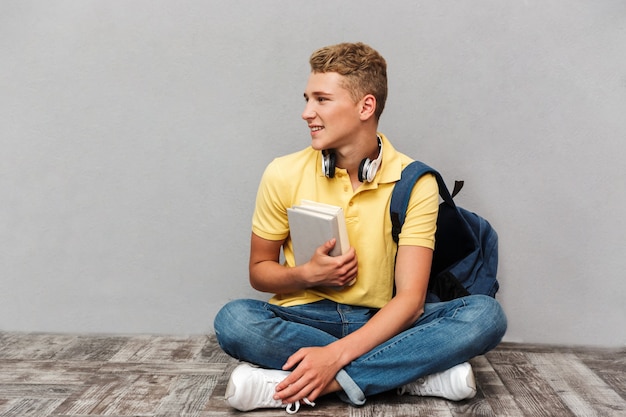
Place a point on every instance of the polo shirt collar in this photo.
(391, 168)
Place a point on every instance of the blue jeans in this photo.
(447, 334)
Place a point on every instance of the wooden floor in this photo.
(85, 375)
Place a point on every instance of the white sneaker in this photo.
(250, 387)
(456, 384)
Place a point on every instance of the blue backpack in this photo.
(465, 260)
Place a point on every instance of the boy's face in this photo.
(330, 111)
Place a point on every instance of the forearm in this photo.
(266, 273)
(272, 277)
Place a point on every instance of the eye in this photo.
(322, 99)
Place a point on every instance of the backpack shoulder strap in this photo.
(402, 192)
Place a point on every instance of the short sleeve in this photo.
(420, 224)
(269, 220)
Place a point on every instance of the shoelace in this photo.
(294, 407)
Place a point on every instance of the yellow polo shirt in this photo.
(289, 179)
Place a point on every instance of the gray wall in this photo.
(133, 135)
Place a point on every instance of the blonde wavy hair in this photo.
(364, 69)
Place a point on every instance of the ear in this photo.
(368, 107)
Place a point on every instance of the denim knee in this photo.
(226, 325)
(491, 320)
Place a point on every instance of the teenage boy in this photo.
(376, 333)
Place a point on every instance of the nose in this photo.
(308, 113)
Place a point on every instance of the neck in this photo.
(350, 157)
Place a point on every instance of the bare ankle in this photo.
(332, 387)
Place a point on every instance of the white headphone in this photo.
(367, 168)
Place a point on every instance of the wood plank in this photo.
(211, 352)
(163, 368)
(98, 391)
(123, 395)
(491, 388)
(41, 391)
(610, 365)
(533, 395)
(29, 407)
(140, 396)
(583, 391)
(46, 372)
(399, 410)
(128, 350)
(188, 395)
(33, 346)
(390, 403)
(159, 349)
(91, 348)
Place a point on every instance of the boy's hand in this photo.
(331, 271)
(315, 369)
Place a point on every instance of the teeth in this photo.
(316, 128)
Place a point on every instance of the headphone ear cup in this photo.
(371, 170)
(328, 164)
(331, 165)
(363, 167)
(368, 168)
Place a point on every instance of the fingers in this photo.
(328, 246)
(335, 271)
(293, 360)
(296, 387)
(298, 384)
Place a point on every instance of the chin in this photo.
(317, 145)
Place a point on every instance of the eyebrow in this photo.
(318, 93)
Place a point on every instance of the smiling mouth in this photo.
(316, 128)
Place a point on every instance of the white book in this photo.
(311, 224)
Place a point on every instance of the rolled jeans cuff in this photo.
(351, 394)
